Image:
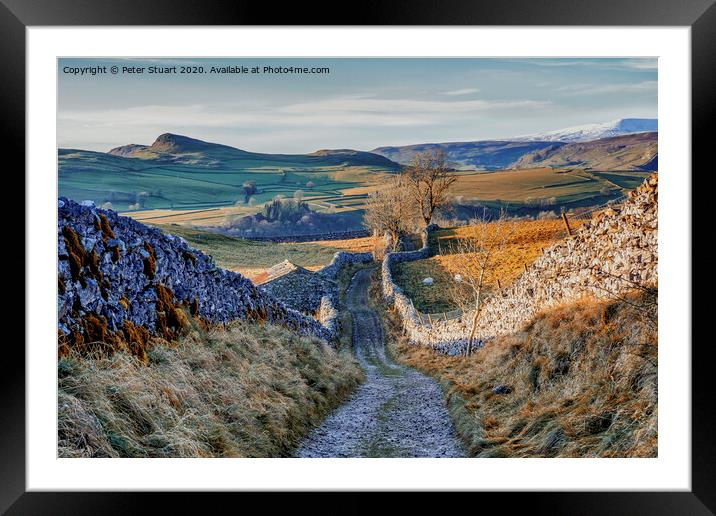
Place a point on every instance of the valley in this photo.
(181, 180)
(355, 258)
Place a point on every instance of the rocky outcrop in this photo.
(615, 252)
(119, 280)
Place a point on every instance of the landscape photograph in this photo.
(357, 257)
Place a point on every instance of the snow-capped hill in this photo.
(588, 132)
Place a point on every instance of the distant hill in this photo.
(355, 157)
(590, 132)
(629, 152)
(531, 150)
(170, 146)
(479, 155)
(175, 148)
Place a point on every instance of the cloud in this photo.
(353, 111)
(599, 89)
(651, 63)
(629, 63)
(356, 121)
(464, 91)
(399, 107)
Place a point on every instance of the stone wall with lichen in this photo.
(341, 259)
(615, 252)
(121, 283)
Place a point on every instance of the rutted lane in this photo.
(397, 412)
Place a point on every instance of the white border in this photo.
(671, 470)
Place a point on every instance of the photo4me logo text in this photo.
(178, 70)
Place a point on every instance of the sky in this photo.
(362, 103)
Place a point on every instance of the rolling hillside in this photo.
(178, 172)
(183, 180)
(568, 187)
(482, 155)
(628, 152)
(529, 151)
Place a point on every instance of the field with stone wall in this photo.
(612, 254)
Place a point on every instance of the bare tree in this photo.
(391, 210)
(476, 254)
(428, 179)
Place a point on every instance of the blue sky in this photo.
(360, 104)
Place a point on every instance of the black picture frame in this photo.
(17, 15)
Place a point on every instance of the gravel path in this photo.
(397, 412)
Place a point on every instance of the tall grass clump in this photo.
(241, 391)
(579, 381)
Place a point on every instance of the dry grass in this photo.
(582, 382)
(353, 245)
(243, 391)
(519, 185)
(523, 246)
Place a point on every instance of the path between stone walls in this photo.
(397, 412)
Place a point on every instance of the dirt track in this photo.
(397, 412)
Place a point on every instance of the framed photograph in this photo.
(420, 252)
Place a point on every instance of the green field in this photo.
(105, 178)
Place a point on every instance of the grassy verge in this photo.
(242, 391)
(579, 381)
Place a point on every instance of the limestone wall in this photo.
(116, 269)
(340, 260)
(615, 252)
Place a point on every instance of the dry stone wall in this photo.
(315, 292)
(615, 252)
(328, 315)
(332, 235)
(340, 260)
(113, 269)
(301, 289)
(327, 312)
